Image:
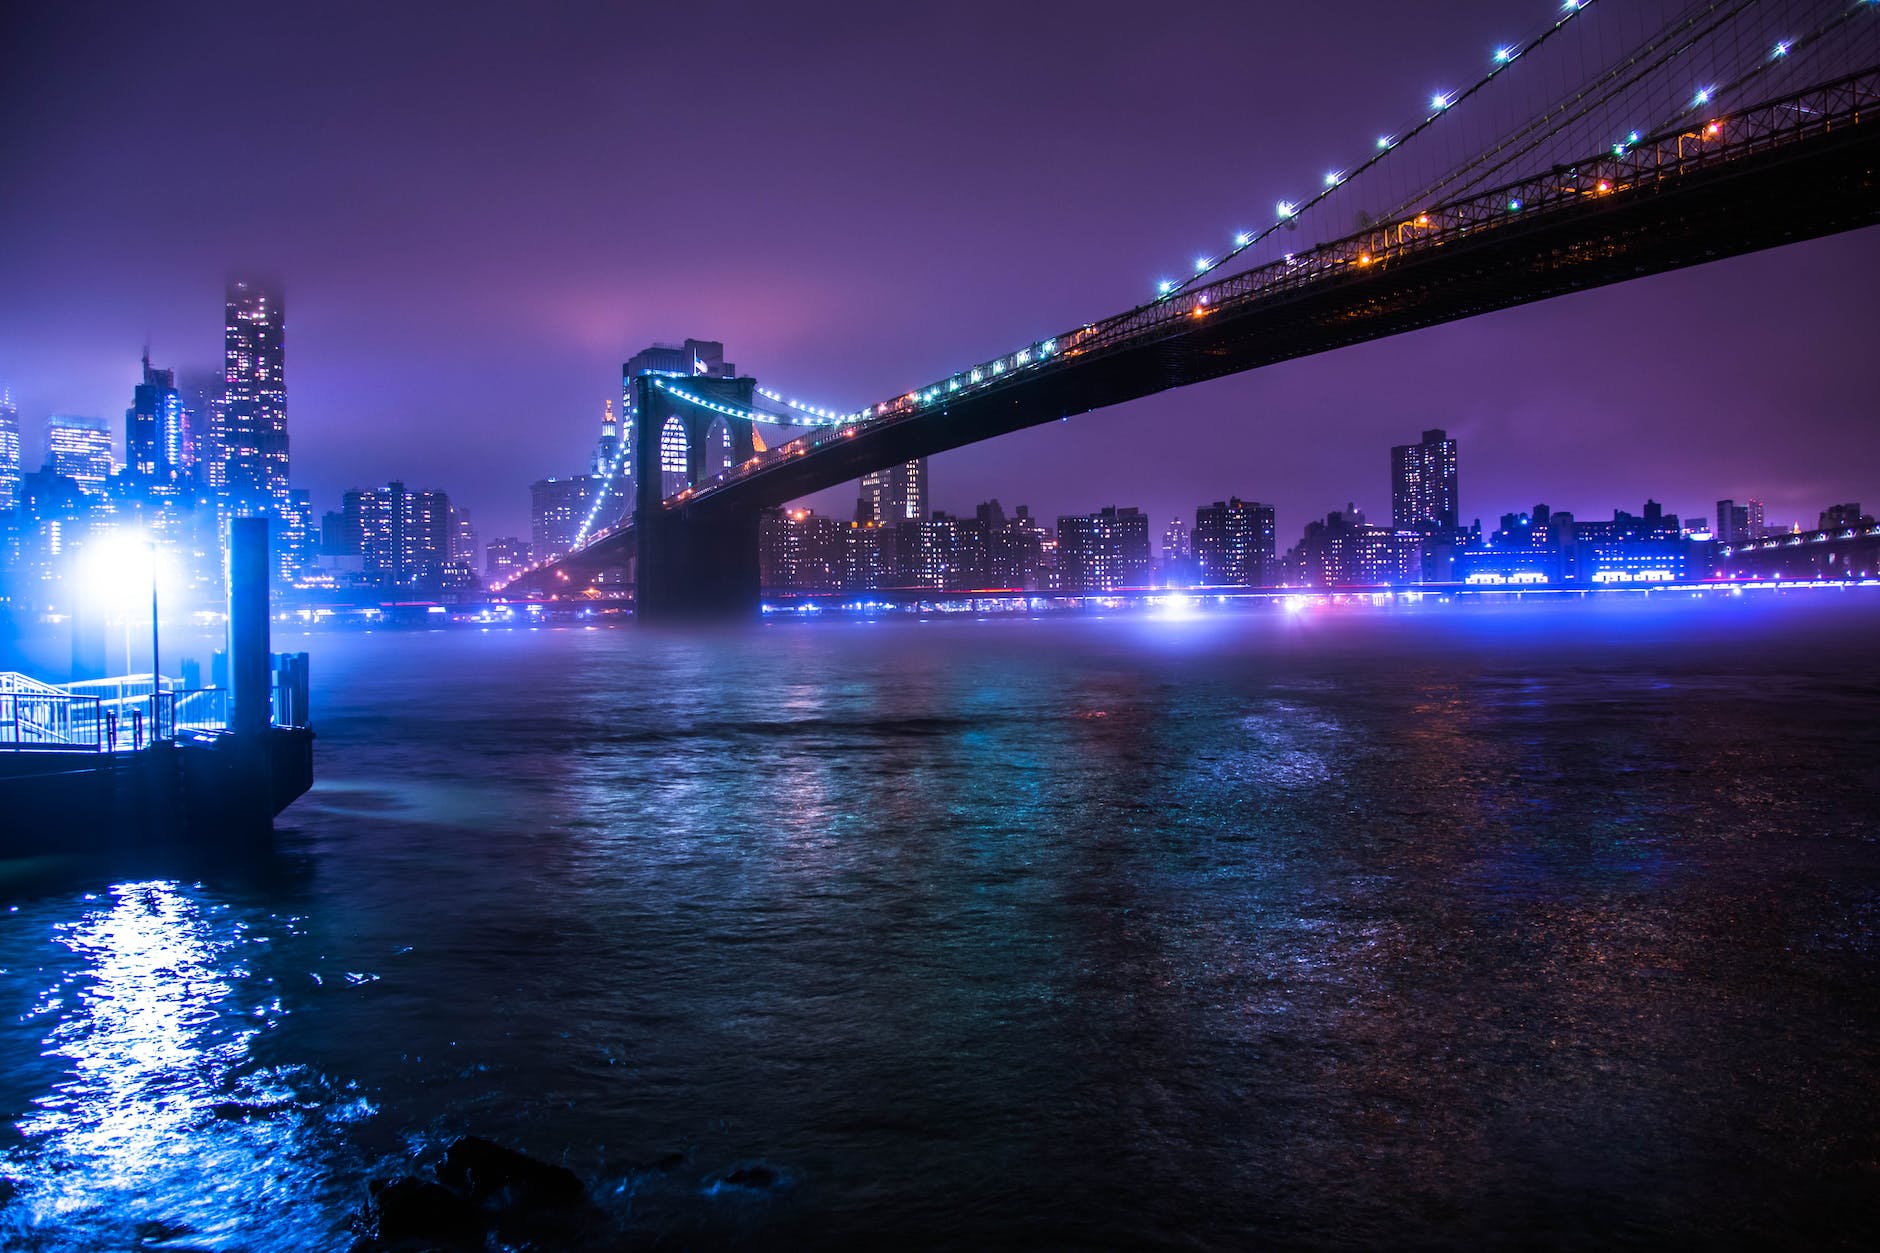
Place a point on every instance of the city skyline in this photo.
(484, 397)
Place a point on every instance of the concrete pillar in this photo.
(250, 699)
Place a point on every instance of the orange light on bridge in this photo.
(1714, 129)
(1423, 219)
(1603, 186)
(1364, 258)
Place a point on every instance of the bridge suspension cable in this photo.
(1287, 211)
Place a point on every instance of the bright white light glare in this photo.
(1202, 264)
(1333, 178)
(1440, 100)
(1286, 208)
(1504, 55)
(1782, 49)
(1165, 287)
(1242, 240)
(1703, 95)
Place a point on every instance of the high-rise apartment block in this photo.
(897, 494)
(1423, 485)
(1234, 544)
(402, 536)
(1103, 551)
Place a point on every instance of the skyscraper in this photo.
(252, 439)
(1423, 484)
(80, 449)
(9, 453)
(897, 494)
(153, 428)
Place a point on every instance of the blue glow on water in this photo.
(1329, 923)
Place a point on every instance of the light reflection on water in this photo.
(1319, 929)
(157, 1125)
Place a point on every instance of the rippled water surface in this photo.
(1549, 925)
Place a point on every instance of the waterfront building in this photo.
(1548, 548)
(557, 508)
(504, 557)
(1344, 551)
(1103, 551)
(931, 552)
(800, 550)
(10, 453)
(1529, 549)
(80, 449)
(1234, 544)
(1423, 485)
(1014, 550)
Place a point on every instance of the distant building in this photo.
(1014, 549)
(556, 510)
(463, 537)
(251, 442)
(10, 468)
(1738, 523)
(1103, 551)
(504, 558)
(1343, 551)
(1423, 484)
(154, 429)
(1547, 548)
(403, 536)
(897, 494)
(930, 552)
(1843, 518)
(1234, 544)
(80, 449)
(800, 550)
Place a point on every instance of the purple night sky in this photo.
(479, 210)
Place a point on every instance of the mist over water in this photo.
(1539, 924)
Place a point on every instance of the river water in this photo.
(1334, 928)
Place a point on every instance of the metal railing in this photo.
(128, 712)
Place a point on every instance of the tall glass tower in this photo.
(9, 453)
(252, 442)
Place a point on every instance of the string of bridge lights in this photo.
(1286, 214)
(1288, 211)
(823, 417)
(1783, 48)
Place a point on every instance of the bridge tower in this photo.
(691, 562)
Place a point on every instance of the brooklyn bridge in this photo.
(1730, 129)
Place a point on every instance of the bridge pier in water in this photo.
(689, 561)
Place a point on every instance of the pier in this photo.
(139, 760)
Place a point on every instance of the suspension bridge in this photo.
(1684, 133)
